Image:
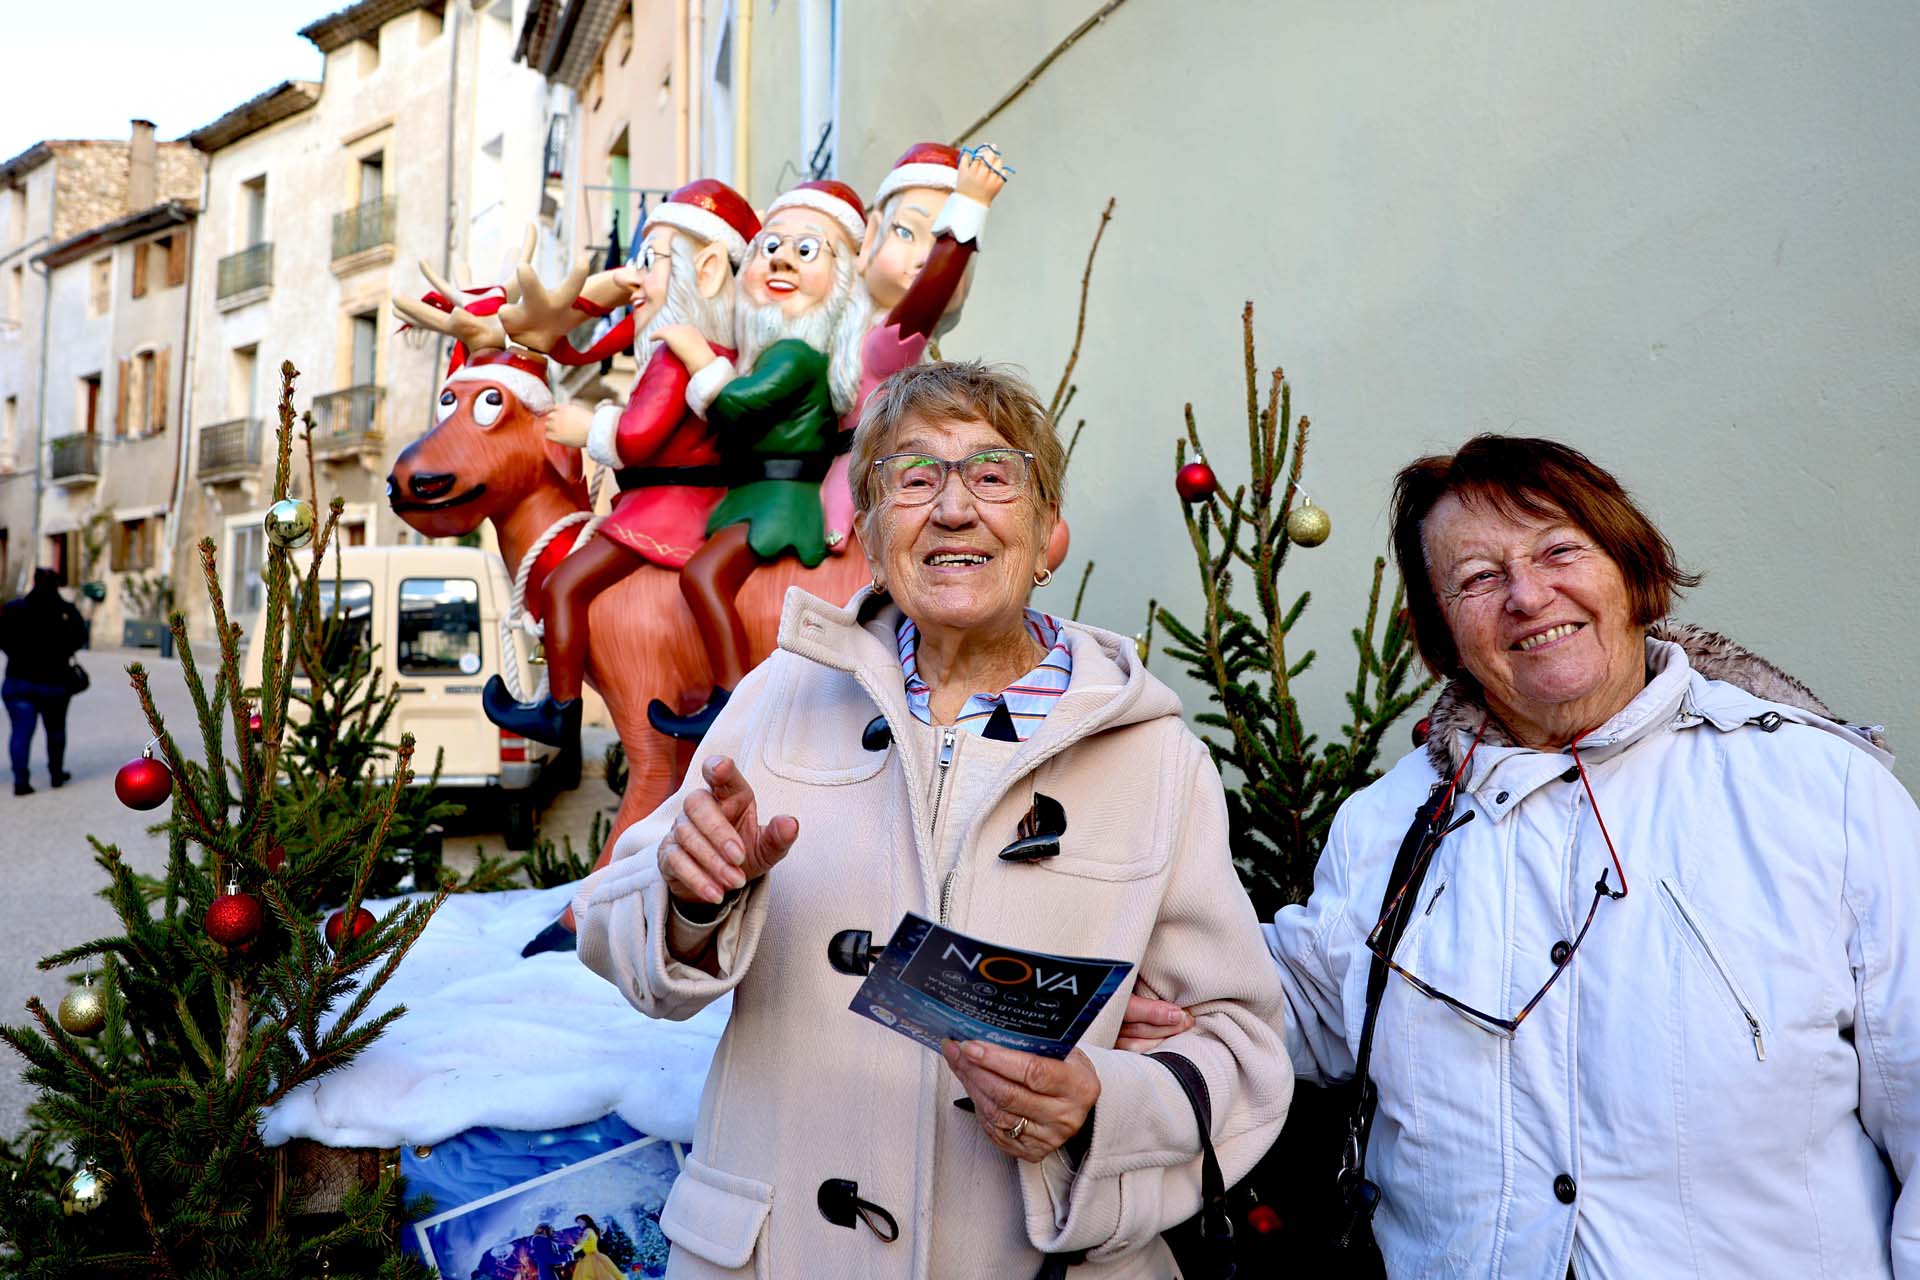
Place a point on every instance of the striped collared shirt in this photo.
(1026, 701)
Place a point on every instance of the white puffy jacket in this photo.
(1726, 1080)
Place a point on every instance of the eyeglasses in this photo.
(1387, 932)
(806, 247)
(916, 479)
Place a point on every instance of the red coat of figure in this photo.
(667, 464)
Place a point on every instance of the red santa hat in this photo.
(522, 372)
(835, 199)
(925, 164)
(711, 211)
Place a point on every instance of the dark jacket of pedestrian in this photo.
(40, 632)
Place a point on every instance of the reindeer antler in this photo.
(478, 331)
(469, 315)
(540, 316)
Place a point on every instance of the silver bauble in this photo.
(289, 523)
(86, 1190)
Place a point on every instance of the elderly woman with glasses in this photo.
(940, 747)
(1654, 1004)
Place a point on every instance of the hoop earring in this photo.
(879, 588)
(1043, 578)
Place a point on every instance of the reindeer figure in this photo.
(488, 458)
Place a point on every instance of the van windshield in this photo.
(439, 631)
(347, 626)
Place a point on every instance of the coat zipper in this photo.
(945, 762)
(1726, 974)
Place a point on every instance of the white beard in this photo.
(713, 317)
(834, 326)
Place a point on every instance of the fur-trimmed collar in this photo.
(1460, 706)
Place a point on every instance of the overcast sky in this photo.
(84, 68)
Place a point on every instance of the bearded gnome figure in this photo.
(801, 315)
(666, 460)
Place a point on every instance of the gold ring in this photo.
(1019, 1127)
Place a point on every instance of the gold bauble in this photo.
(86, 1190)
(1308, 525)
(83, 1011)
(289, 523)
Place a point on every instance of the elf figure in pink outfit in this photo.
(915, 261)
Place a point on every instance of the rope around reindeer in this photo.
(516, 617)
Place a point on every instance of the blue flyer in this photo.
(932, 984)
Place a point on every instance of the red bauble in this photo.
(276, 857)
(337, 924)
(255, 724)
(234, 918)
(1195, 481)
(1422, 730)
(144, 783)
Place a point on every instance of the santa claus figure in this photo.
(801, 315)
(665, 458)
(915, 261)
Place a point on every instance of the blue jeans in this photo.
(28, 701)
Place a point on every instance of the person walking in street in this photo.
(40, 632)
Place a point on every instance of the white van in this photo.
(434, 613)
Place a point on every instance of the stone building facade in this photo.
(80, 216)
(322, 199)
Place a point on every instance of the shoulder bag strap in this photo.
(1408, 869)
(1216, 1222)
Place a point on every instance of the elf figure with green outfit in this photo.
(776, 414)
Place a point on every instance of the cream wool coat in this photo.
(803, 1090)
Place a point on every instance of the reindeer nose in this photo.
(431, 484)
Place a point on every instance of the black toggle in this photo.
(840, 1203)
(878, 735)
(851, 951)
(1039, 832)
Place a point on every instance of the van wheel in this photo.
(517, 823)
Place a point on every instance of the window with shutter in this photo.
(140, 269)
(157, 384)
(120, 423)
(118, 562)
(177, 258)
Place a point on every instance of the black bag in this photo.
(77, 678)
(1287, 1210)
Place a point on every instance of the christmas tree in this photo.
(219, 997)
(1283, 783)
(617, 1244)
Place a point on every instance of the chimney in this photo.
(140, 164)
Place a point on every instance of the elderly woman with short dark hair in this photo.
(1648, 982)
(879, 763)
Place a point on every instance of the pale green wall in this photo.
(1681, 236)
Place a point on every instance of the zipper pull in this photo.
(1759, 1040)
(947, 736)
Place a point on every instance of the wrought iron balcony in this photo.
(250, 268)
(229, 449)
(359, 229)
(76, 459)
(347, 421)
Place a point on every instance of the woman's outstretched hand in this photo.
(718, 842)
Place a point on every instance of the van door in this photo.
(438, 661)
